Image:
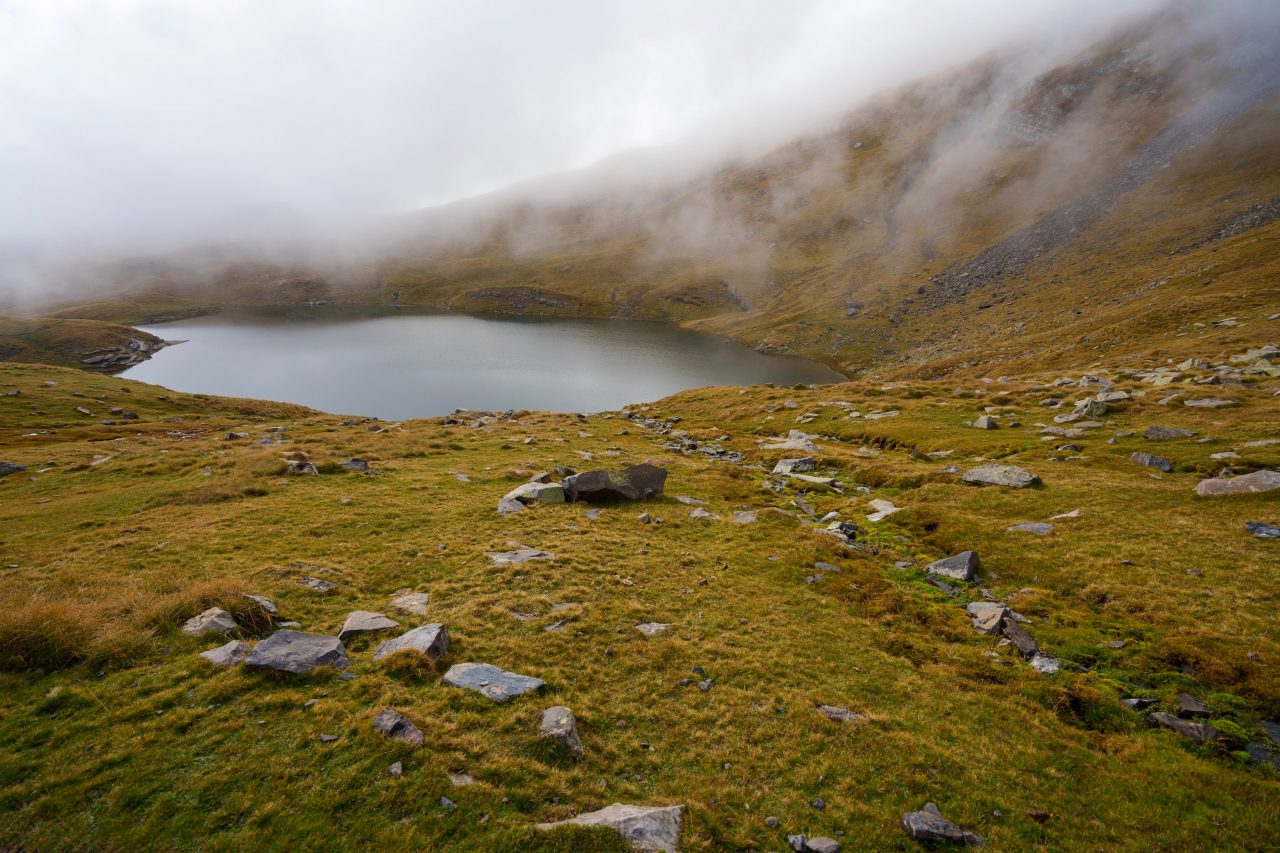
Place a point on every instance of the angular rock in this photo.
(498, 684)
(1190, 707)
(652, 629)
(215, 620)
(749, 517)
(962, 566)
(536, 493)
(1000, 475)
(430, 640)
(231, 654)
(1263, 530)
(988, 616)
(397, 726)
(839, 715)
(520, 555)
(1023, 641)
(317, 584)
(365, 622)
(795, 440)
(7, 468)
(558, 723)
(638, 482)
(411, 602)
(1157, 462)
(356, 465)
(985, 422)
(293, 651)
(299, 466)
(821, 844)
(263, 602)
(1198, 732)
(883, 509)
(929, 825)
(1039, 528)
(1245, 484)
(799, 465)
(510, 506)
(652, 829)
(1045, 664)
(1159, 433)
(699, 512)
(1208, 403)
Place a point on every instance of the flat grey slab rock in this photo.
(365, 622)
(652, 629)
(1208, 403)
(1000, 475)
(987, 615)
(559, 724)
(1159, 433)
(215, 620)
(536, 493)
(7, 468)
(1245, 484)
(1198, 732)
(1039, 528)
(962, 566)
(231, 654)
(1263, 530)
(929, 825)
(293, 651)
(263, 602)
(430, 640)
(412, 602)
(744, 516)
(498, 684)
(635, 483)
(800, 465)
(397, 726)
(1150, 461)
(522, 554)
(839, 715)
(652, 829)
(317, 585)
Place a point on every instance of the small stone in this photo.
(1262, 530)
(652, 629)
(1190, 707)
(447, 804)
(988, 616)
(1039, 528)
(1150, 461)
(1019, 636)
(411, 602)
(429, 640)
(395, 771)
(397, 726)
(1208, 403)
(299, 466)
(985, 422)
(744, 517)
(822, 844)
(883, 509)
(356, 465)
(772, 822)
(818, 803)
(365, 622)
(519, 555)
(962, 566)
(488, 680)
(1198, 732)
(839, 715)
(231, 654)
(559, 724)
(328, 738)
(215, 620)
(1000, 475)
(929, 825)
(800, 465)
(317, 585)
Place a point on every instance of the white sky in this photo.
(141, 121)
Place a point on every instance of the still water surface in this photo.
(415, 365)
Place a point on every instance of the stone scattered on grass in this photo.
(652, 629)
(800, 465)
(299, 466)
(215, 620)
(355, 465)
(510, 506)
(1245, 484)
(317, 585)
(1039, 528)
(928, 825)
(262, 601)
(365, 622)
(1000, 475)
(883, 509)
(984, 422)
(430, 640)
(7, 468)
(411, 602)
(521, 554)
(1263, 530)
(1150, 461)
(638, 482)
(839, 715)
(397, 726)
(961, 567)
(745, 516)
(1045, 664)
(1189, 707)
(1208, 403)
(497, 684)
(1159, 433)
(559, 725)
(1019, 636)
(293, 651)
(652, 829)
(231, 654)
(535, 493)
(988, 616)
(1198, 732)
(699, 512)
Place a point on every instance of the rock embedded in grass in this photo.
(839, 715)
(299, 466)
(928, 825)
(1189, 707)
(652, 629)
(799, 465)
(652, 829)
(883, 509)
(744, 516)
(231, 654)
(1150, 461)
(1159, 433)
(637, 482)
(317, 585)
(365, 622)
(962, 567)
(497, 684)
(262, 601)
(215, 620)
(1198, 732)
(1263, 530)
(430, 640)
(559, 724)
(1208, 403)
(987, 616)
(397, 726)
(411, 602)
(1038, 528)
(1000, 475)
(1019, 636)
(1245, 484)
(984, 422)
(7, 468)
(522, 554)
(293, 651)
(534, 493)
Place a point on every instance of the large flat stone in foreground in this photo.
(1000, 475)
(296, 652)
(648, 828)
(1245, 484)
(498, 684)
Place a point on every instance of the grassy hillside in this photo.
(87, 344)
(119, 736)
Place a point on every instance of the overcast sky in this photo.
(150, 120)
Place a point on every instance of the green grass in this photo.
(142, 745)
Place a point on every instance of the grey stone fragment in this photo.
(1189, 707)
(1198, 732)
(962, 566)
(822, 844)
(652, 829)
(652, 629)
(749, 517)
(1000, 475)
(987, 615)
(1039, 528)
(799, 465)
(317, 585)
(497, 684)
(638, 482)
(299, 466)
(263, 602)
(1025, 643)
(365, 622)
(1159, 433)
(1245, 484)
(1208, 403)
(536, 493)
(430, 640)
(7, 468)
(985, 422)
(1150, 461)
(231, 654)
(411, 602)
(510, 506)
(1263, 530)
(839, 715)
(215, 620)
(356, 465)
(293, 651)
(521, 554)
(397, 726)
(559, 724)
(929, 825)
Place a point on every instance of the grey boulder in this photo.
(1159, 433)
(231, 654)
(293, 651)
(1245, 484)
(536, 493)
(987, 616)
(215, 620)
(498, 684)
(800, 465)
(521, 554)
(429, 640)
(1198, 732)
(638, 482)
(7, 468)
(1157, 462)
(929, 825)
(365, 622)
(962, 566)
(397, 726)
(411, 602)
(559, 724)
(1263, 530)
(652, 829)
(1000, 475)
(299, 466)
(1039, 528)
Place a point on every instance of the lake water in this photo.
(416, 365)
